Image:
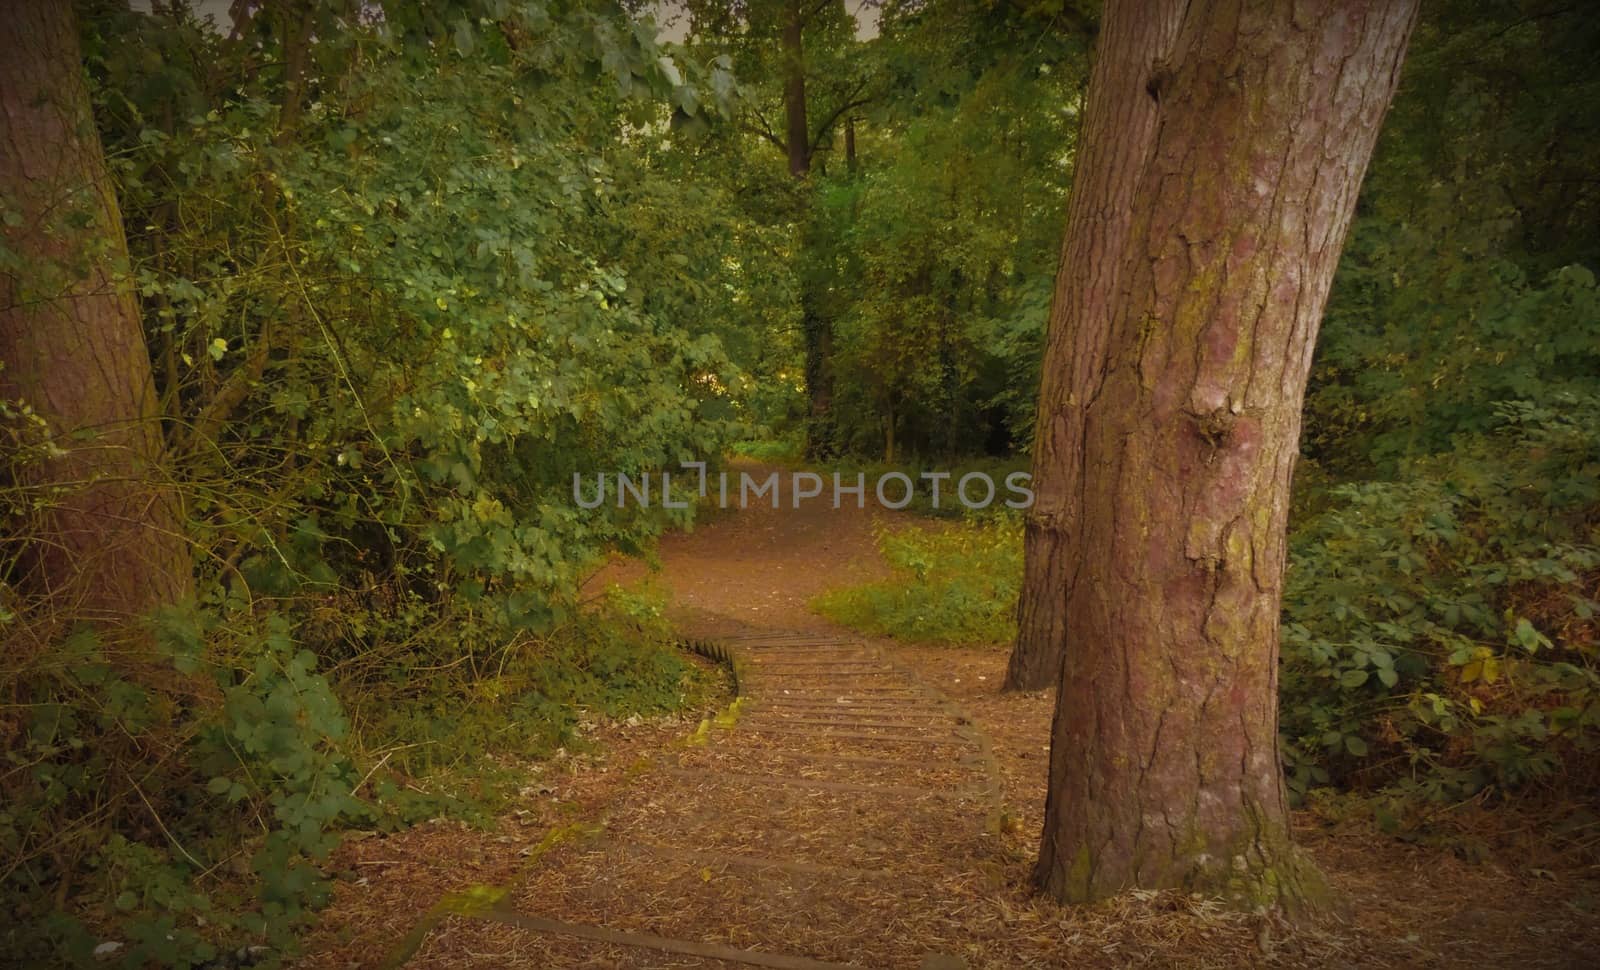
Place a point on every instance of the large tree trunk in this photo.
(105, 545)
(1115, 140)
(1164, 768)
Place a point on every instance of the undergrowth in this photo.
(1442, 631)
(953, 583)
(778, 450)
(459, 721)
(386, 332)
(147, 827)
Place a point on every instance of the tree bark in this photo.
(816, 329)
(105, 544)
(797, 131)
(1164, 768)
(1114, 142)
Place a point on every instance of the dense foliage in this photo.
(394, 303)
(1441, 635)
(926, 235)
(945, 241)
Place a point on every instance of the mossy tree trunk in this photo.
(1114, 142)
(104, 543)
(1164, 767)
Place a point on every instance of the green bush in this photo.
(187, 828)
(954, 584)
(175, 825)
(1440, 630)
(386, 334)
(1439, 635)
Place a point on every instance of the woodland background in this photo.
(403, 270)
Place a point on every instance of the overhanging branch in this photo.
(850, 104)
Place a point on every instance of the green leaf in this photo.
(1530, 638)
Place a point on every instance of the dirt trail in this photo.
(870, 805)
(758, 567)
(838, 800)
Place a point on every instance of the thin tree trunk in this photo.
(888, 435)
(816, 329)
(105, 544)
(295, 22)
(796, 128)
(1114, 142)
(1164, 767)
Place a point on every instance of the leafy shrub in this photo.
(393, 308)
(955, 584)
(188, 828)
(1439, 634)
(1441, 631)
(129, 810)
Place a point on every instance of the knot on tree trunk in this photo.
(1216, 426)
(1050, 519)
(1160, 78)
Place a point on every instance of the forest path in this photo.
(844, 815)
(817, 824)
(757, 568)
(819, 827)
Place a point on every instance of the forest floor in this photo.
(877, 805)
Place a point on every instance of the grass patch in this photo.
(776, 450)
(953, 583)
